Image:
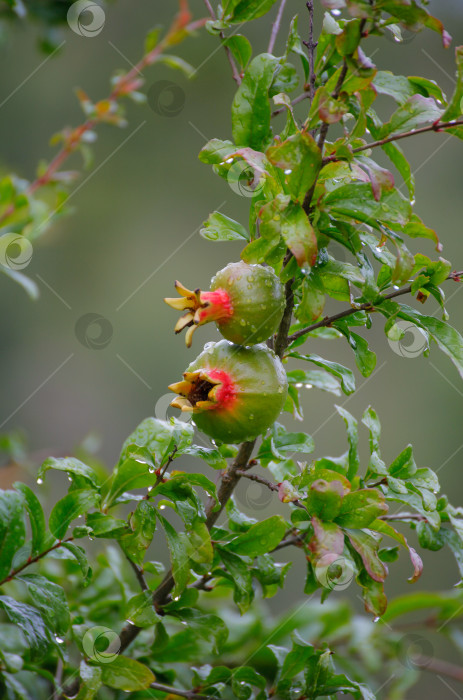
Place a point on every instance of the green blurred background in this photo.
(135, 230)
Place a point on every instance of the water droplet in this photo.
(308, 386)
(376, 619)
(243, 322)
(69, 478)
(151, 470)
(229, 160)
(59, 640)
(288, 171)
(251, 416)
(161, 507)
(177, 597)
(40, 481)
(336, 13)
(298, 385)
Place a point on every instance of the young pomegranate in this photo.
(245, 301)
(234, 392)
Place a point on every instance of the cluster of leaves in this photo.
(307, 191)
(336, 518)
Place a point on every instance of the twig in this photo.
(417, 517)
(367, 306)
(335, 94)
(441, 668)
(269, 484)
(276, 27)
(281, 340)
(297, 540)
(311, 46)
(124, 86)
(33, 560)
(299, 98)
(436, 127)
(181, 693)
(138, 573)
(231, 60)
(170, 459)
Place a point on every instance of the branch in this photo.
(416, 517)
(126, 84)
(269, 484)
(231, 60)
(138, 573)
(282, 340)
(276, 27)
(367, 306)
(181, 693)
(297, 540)
(441, 668)
(311, 46)
(436, 127)
(33, 560)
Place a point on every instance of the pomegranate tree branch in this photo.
(231, 60)
(127, 83)
(367, 306)
(269, 484)
(33, 560)
(176, 692)
(436, 127)
(276, 27)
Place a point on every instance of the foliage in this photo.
(91, 621)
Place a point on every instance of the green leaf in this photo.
(455, 108)
(386, 529)
(139, 610)
(238, 11)
(159, 437)
(178, 549)
(72, 467)
(49, 598)
(358, 202)
(343, 373)
(143, 525)
(91, 681)
(298, 234)
(126, 674)
(367, 546)
(352, 437)
(178, 64)
(299, 154)
(360, 508)
(36, 517)
(70, 507)
(364, 357)
(313, 298)
(219, 227)
(237, 571)
(105, 525)
(281, 443)
(447, 338)
(260, 538)
(241, 49)
(414, 112)
(251, 107)
(212, 457)
(324, 499)
(12, 528)
(216, 151)
(28, 284)
(201, 550)
(314, 378)
(30, 622)
(79, 555)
